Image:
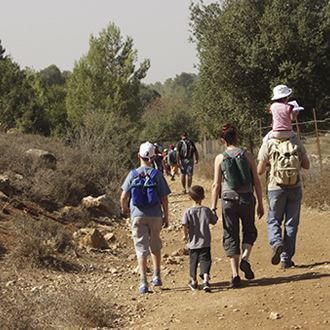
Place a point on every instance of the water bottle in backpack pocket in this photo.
(144, 189)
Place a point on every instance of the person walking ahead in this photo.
(187, 156)
(235, 177)
(147, 191)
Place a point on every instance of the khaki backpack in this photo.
(284, 162)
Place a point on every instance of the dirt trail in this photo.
(300, 295)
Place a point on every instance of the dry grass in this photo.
(41, 243)
(71, 308)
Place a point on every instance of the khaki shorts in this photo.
(146, 235)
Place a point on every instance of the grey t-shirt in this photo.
(161, 186)
(198, 219)
(264, 152)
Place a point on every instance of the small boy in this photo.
(196, 221)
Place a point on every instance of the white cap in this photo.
(147, 150)
(281, 91)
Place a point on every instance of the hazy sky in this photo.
(38, 33)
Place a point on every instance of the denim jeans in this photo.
(284, 204)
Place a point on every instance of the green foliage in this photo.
(246, 47)
(165, 119)
(106, 78)
(181, 87)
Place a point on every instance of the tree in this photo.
(248, 46)
(106, 78)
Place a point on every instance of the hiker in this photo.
(172, 161)
(145, 196)
(186, 153)
(285, 157)
(158, 159)
(196, 231)
(283, 113)
(167, 168)
(235, 180)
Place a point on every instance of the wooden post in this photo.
(318, 141)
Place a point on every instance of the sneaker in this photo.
(193, 286)
(157, 281)
(287, 264)
(276, 255)
(206, 287)
(246, 268)
(235, 282)
(143, 288)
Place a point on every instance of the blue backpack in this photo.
(144, 189)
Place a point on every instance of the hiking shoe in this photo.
(235, 282)
(287, 264)
(246, 268)
(193, 286)
(206, 287)
(143, 288)
(276, 256)
(157, 281)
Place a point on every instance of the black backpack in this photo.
(187, 149)
(237, 172)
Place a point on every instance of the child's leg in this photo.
(193, 262)
(205, 262)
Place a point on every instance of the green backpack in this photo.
(236, 168)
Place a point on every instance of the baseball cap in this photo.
(147, 150)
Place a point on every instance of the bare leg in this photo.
(183, 181)
(206, 277)
(246, 251)
(189, 181)
(234, 261)
(142, 262)
(156, 263)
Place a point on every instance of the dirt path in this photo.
(300, 295)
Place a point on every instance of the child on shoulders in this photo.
(283, 113)
(196, 221)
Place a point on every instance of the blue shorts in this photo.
(187, 166)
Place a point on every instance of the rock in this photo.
(110, 237)
(12, 131)
(180, 252)
(172, 261)
(5, 185)
(100, 205)
(131, 257)
(274, 316)
(46, 158)
(3, 197)
(95, 240)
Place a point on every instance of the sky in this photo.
(38, 33)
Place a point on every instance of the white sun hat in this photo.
(281, 91)
(147, 150)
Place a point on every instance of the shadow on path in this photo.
(321, 263)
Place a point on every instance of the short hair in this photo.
(197, 193)
(229, 133)
(184, 134)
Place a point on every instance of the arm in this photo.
(164, 202)
(196, 155)
(256, 183)
(305, 161)
(185, 232)
(124, 199)
(216, 186)
(262, 166)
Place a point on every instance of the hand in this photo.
(165, 222)
(125, 212)
(260, 210)
(196, 161)
(184, 238)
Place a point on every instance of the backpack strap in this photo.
(153, 173)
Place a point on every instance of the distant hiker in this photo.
(235, 179)
(283, 113)
(172, 161)
(187, 155)
(167, 168)
(158, 159)
(196, 221)
(147, 191)
(285, 157)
